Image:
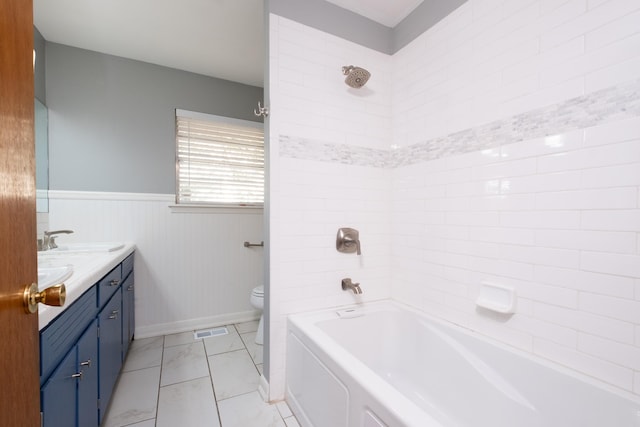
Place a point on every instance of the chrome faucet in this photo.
(355, 287)
(49, 239)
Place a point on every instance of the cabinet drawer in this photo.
(127, 266)
(109, 285)
(59, 336)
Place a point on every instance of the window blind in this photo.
(219, 160)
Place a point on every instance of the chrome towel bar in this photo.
(248, 245)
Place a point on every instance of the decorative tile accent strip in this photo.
(607, 105)
(302, 148)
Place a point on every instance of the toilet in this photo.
(257, 300)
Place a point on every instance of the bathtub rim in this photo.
(306, 323)
(402, 408)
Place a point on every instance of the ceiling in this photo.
(218, 38)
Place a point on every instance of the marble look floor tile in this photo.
(184, 363)
(224, 343)
(254, 349)
(144, 353)
(245, 327)
(233, 373)
(249, 410)
(134, 399)
(188, 404)
(179, 339)
(283, 409)
(291, 422)
(147, 423)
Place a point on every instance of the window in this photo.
(219, 161)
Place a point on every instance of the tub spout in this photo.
(355, 287)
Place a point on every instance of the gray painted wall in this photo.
(112, 120)
(39, 72)
(335, 20)
(425, 16)
(343, 23)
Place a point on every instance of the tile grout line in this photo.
(155, 421)
(215, 399)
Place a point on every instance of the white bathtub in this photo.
(393, 367)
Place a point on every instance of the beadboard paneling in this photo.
(192, 269)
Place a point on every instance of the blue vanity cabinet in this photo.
(87, 365)
(128, 314)
(110, 349)
(82, 351)
(58, 395)
(71, 392)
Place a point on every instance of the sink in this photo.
(48, 276)
(89, 247)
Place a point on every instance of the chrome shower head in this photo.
(356, 76)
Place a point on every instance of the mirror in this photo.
(41, 124)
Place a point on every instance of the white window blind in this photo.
(219, 160)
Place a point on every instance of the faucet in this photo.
(355, 287)
(49, 239)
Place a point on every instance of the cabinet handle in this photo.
(130, 288)
(115, 312)
(78, 375)
(86, 363)
(113, 316)
(114, 282)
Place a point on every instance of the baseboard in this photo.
(194, 324)
(263, 388)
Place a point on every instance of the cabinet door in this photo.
(58, 394)
(109, 348)
(128, 316)
(88, 383)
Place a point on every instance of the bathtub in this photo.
(383, 364)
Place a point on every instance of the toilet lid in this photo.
(258, 290)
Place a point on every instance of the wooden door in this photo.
(19, 377)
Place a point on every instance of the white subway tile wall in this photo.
(512, 131)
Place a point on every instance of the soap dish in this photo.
(498, 298)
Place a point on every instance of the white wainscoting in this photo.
(192, 270)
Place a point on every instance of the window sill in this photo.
(217, 209)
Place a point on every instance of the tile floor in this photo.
(176, 380)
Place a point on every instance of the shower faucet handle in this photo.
(348, 241)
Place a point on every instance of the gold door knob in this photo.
(55, 296)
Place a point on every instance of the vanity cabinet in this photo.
(82, 351)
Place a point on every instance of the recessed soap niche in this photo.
(497, 298)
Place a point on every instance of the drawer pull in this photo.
(114, 282)
(86, 363)
(130, 288)
(78, 375)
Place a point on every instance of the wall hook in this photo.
(261, 111)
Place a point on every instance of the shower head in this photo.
(356, 76)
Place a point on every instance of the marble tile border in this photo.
(607, 105)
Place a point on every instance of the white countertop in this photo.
(88, 268)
